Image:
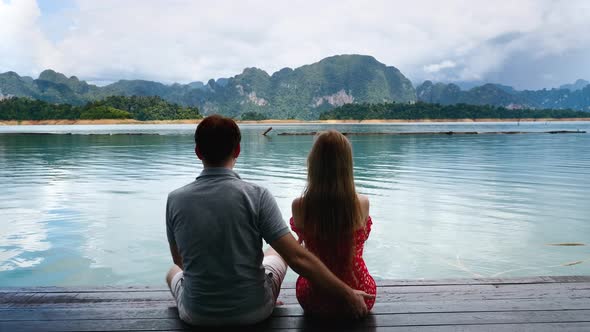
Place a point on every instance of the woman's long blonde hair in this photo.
(330, 206)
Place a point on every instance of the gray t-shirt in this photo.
(217, 223)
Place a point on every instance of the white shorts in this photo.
(275, 269)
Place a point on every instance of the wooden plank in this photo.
(5, 298)
(541, 327)
(90, 297)
(461, 306)
(435, 319)
(95, 325)
(406, 295)
(529, 304)
(14, 299)
(133, 312)
(106, 289)
(125, 296)
(484, 281)
(288, 322)
(500, 295)
(101, 289)
(85, 313)
(109, 298)
(383, 287)
(479, 292)
(482, 287)
(430, 293)
(535, 327)
(380, 283)
(57, 298)
(577, 303)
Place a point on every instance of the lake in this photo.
(85, 206)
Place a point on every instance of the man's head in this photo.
(217, 140)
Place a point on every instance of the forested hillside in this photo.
(421, 111)
(115, 107)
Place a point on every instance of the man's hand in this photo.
(356, 301)
(307, 265)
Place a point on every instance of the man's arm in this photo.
(307, 265)
(176, 258)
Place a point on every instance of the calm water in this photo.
(86, 209)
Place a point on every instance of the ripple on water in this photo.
(89, 210)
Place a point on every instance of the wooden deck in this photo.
(524, 304)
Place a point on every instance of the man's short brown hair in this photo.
(217, 137)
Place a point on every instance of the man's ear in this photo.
(198, 153)
(237, 151)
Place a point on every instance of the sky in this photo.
(528, 44)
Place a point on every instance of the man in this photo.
(215, 226)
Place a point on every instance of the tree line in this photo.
(421, 110)
(115, 107)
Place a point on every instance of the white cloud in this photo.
(23, 46)
(197, 40)
(436, 67)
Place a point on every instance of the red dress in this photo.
(314, 300)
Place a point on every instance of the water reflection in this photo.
(89, 209)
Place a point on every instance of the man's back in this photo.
(217, 223)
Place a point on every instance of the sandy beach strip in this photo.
(271, 121)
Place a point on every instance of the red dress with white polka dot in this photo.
(314, 300)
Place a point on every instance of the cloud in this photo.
(23, 46)
(196, 40)
(436, 67)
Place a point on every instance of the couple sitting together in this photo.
(215, 226)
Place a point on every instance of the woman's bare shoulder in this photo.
(364, 201)
(296, 211)
(296, 205)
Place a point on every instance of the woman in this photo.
(333, 222)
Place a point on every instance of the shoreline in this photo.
(271, 121)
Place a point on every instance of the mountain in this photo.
(301, 93)
(51, 87)
(306, 91)
(448, 94)
(578, 85)
(501, 95)
(13, 85)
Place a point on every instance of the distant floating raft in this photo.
(572, 263)
(312, 133)
(565, 132)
